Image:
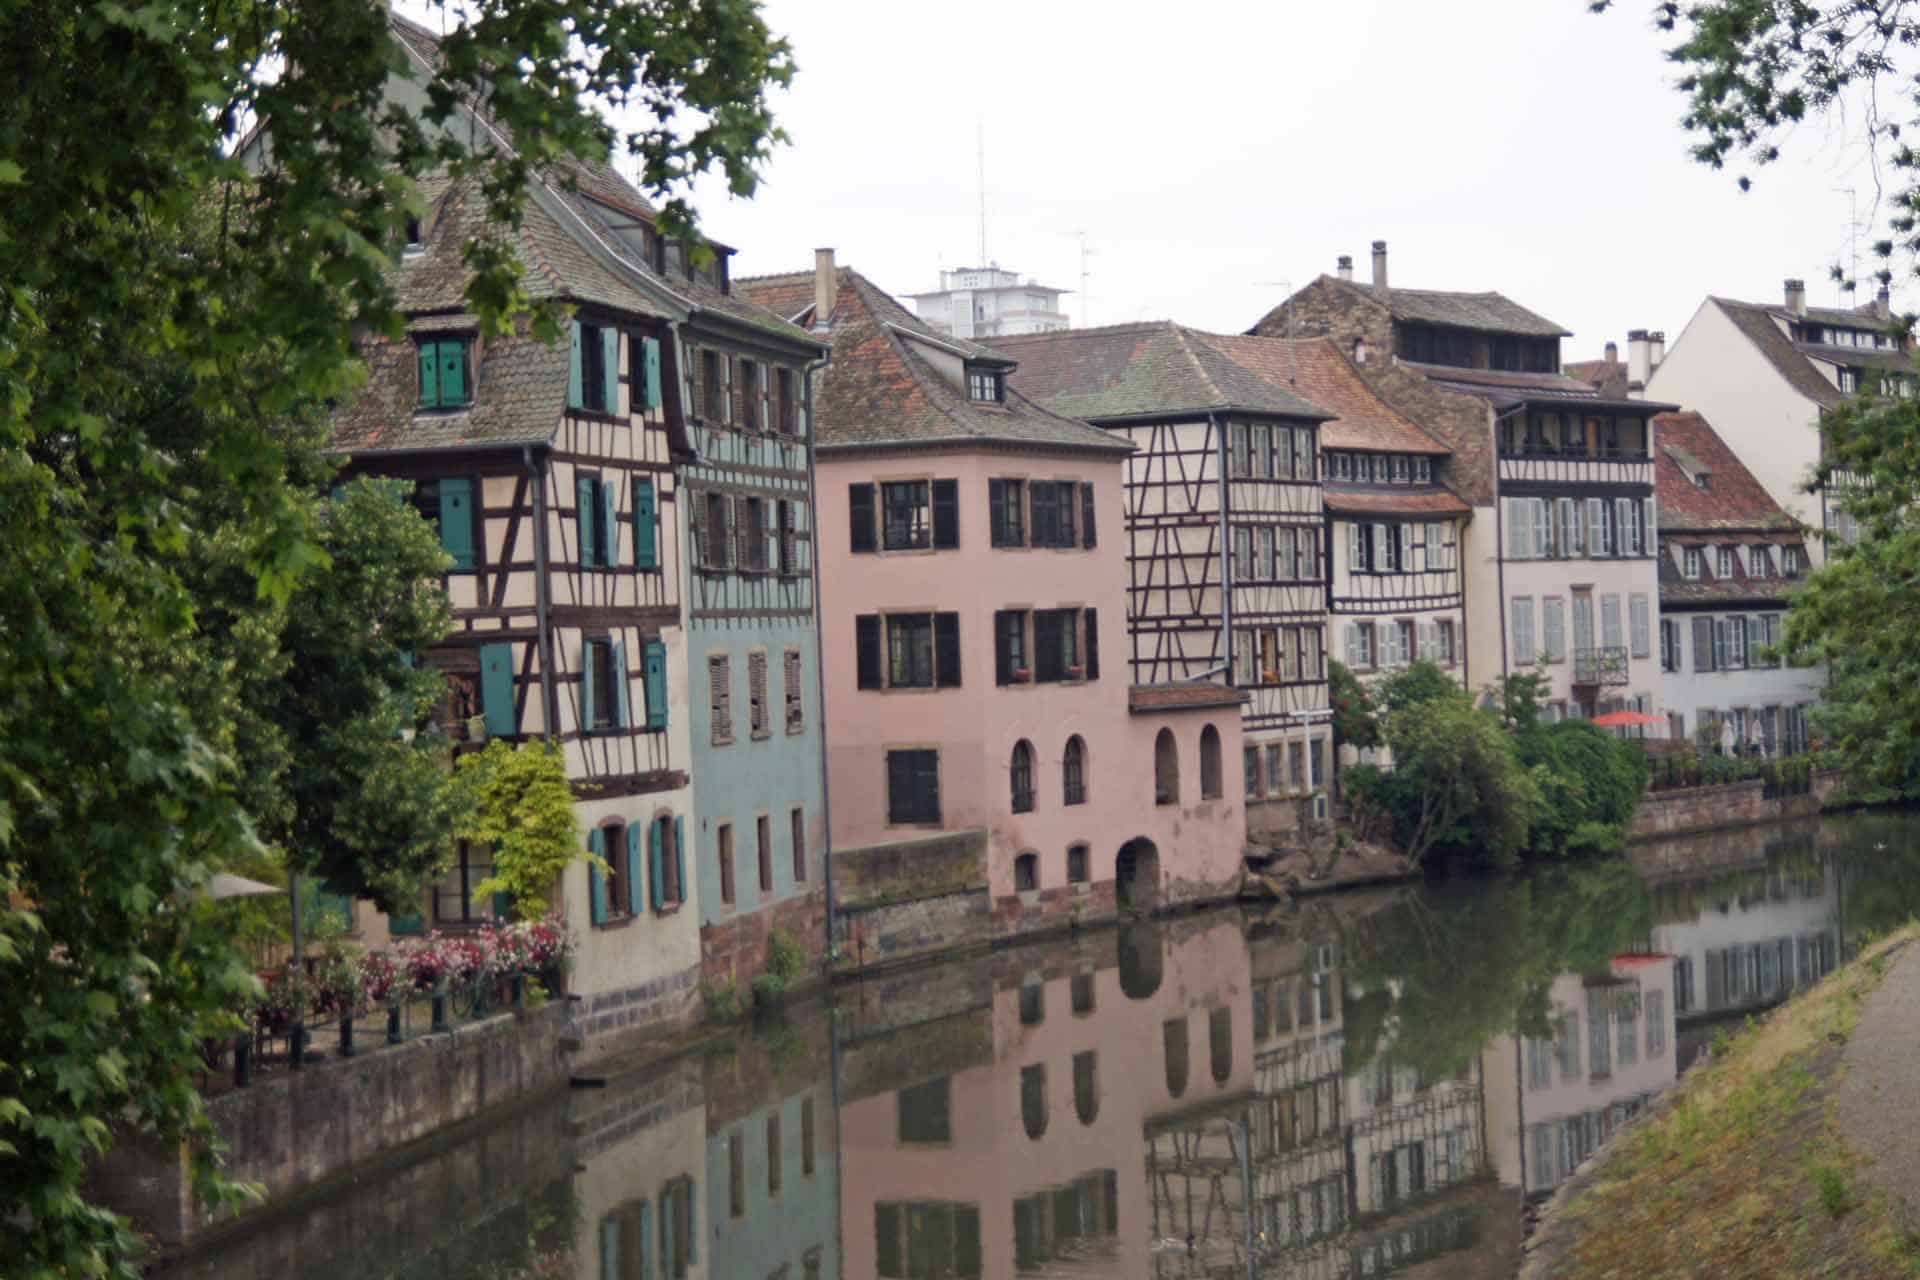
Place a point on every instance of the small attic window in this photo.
(414, 242)
(987, 386)
(1703, 480)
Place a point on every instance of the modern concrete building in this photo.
(989, 302)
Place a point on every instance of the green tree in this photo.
(1353, 719)
(119, 784)
(1591, 783)
(520, 804)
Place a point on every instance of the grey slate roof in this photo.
(1484, 312)
(519, 392)
(879, 389)
(1757, 323)
(1152, 369)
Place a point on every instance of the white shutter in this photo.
(1518, 537)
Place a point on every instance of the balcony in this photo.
(1601, 667)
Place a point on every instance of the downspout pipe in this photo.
(542, 591)
(1226, 551)
(819, 644)
(1499, 548)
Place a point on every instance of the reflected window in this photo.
(926, 1112)
(774, 1168)
(1080, 993)
(625, 1242)
(1283, 1005)
(806, 1138)
(1173, 1038)
(1220, 1043)
(1026, 873)
(1033, 1099)
(1086, 1093)
(1261, 992)
(1033, 1003)
(1141, 960)
(922, 1240)
(677, 1243)
(736, 1175)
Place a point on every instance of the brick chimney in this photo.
(1796, 291)
(1346, 267)
(1883, 303)
(826, 287)
(1613, 353)
(1379, 266)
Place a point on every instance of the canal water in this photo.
(1351, 1087)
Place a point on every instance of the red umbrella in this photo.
(1616, 719)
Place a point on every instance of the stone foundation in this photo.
(1734, 804)
(735, 951)
(609, 1023)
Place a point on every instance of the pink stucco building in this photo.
(973, 575)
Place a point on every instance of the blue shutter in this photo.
(646, 546)
(636, 898)
(680, 857)
(610, 524)
(609, 1249)
(666, 1229)
(646, 1241)
(652, 349)
(414, 922)
(656, 663)
(574, 399)
(496, 689)
(429, 374)
(586, 506)
(610, 367)
(586, 687)
(596, 878)
(656, 866)
(456, 520)
(620, 717)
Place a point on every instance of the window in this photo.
(758, 714)
(1553, 629)
(1690, 563)
(774, 1164)
(1669, 644)
(669, 880)
(1790, 562)
(790, 686)
(1166, 769)
(751, 555)
(1404, 636)
(1057, 649)
(1401, 470)
(595, 519)
(749, 411)
(1010, 664)
(1276, 771)
(1360, 645)
(922, 650)
(1055, 505)
(1444, 651)
(797, 842)
(723, 849)
(1640, 624)
(1210, 784)
(1240, 456)
(1033, 1099)
(1077, 874)
(593, 375)
(925, 1112)
(1316, 757)
(1523, 650)
(913, 787)
(1073, 771)
(1020, 775)
(1757, 562)
(1600, 527)
(736, 1175)
(603, 694)
(1611, 634)
(720, 698)
(1026, 879)
(1086, 1093)
(907, 515)
(1006, 512)
(714, 405)
(454, 901)
(1173, 1044)
(1703, 645)
(444, 383)
(1723, 565)
(1423, 470)
(985, 385)
(1570, 530)
(786, 404)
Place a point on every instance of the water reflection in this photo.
(1347, 1088)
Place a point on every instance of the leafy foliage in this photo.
(144, 272)
(520, 803)
(1591, 783)
(1353, 718)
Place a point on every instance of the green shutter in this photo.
(587, 699)
(656, 665)
(429, 374)
(456, 520)
(646, 545)
(646, 1241)
(412, 922)
(690, 1189)
(636, 897)
(610, 1248)
(596, 878)
(655, 866)
(610, 524)
(496, 690)
(574, 400)
(453, 372)
(680, 857)
(610, 367)
(652, 349)
(586, 499)
(666, 1229)
(620, 717)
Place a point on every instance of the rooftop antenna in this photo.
(1293, 356)
(1085, 274)
(980, 142)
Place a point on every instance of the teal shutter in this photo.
(636, 897)
(453, 373)
(610, 1249)
(655, 866)
(610, 524)
(680, 857)
(656, 664)
(414, 922)
(502, 906)
(652, 348)
(666, 1229)
(610, 367)
(646, 1241)
(596, 878)
(574, 398)
(586, 500)
(429, 374)
(620, 718)
(646, 546)
(456, 520)
(587, 690)
(690, 1189)
(496, 689)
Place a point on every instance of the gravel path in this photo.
(1878, 1098)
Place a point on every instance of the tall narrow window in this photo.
(1210, 784)
(906, 509)
(797, 840)
(1173, 1047)
(1166, 769)
(723, 849)
(806, 1138)
(1033, 1099)
(913, 787)
(1010, 663)
(736, 1175)
(720, 698)
(775, 1167)
(758, 713)
(1006, 512)
(1073, 771)
(792, 689)
(1021, 775)
(763, 835)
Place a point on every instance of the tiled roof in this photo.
(1355, 500)
(1757, 323)
(1506, 388)
(1609, 377)
(1314, 368)
(1485, 312)
(519, 393)
(1182, 697)
(881, 388)
(1686, 443)
(1151, 369)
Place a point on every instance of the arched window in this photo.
(1086, 1092)
(1033, 1098)
(1220, 1043)
(1210, 763)
(1026, 872)
(1073, 771)
(1078, 856)
(1022, 775)
(1166, 769)
(1173, 1037)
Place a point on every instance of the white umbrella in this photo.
(226, 885)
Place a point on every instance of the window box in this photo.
(1076, 673)
(1021, 675)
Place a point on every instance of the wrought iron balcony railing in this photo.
(1606, 665)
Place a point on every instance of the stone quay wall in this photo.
(1733, 804)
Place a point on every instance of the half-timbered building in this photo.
(1559, 560)
(975, 588)
(1226, 561)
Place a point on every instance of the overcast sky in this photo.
(1211, 151)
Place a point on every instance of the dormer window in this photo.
(444, 380)
(1849, 381)
(1423, 470)
(1703, 480)
(1723, 569)
(1789, 562)
(985, 386)
(1690, 564)
(415, 242)
(1756, 562)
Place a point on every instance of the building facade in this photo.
(1227, 557)
(971, 549)
(1560, 556)
(1729, 561)
(989, 302)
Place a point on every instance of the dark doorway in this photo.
(1136, 876)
